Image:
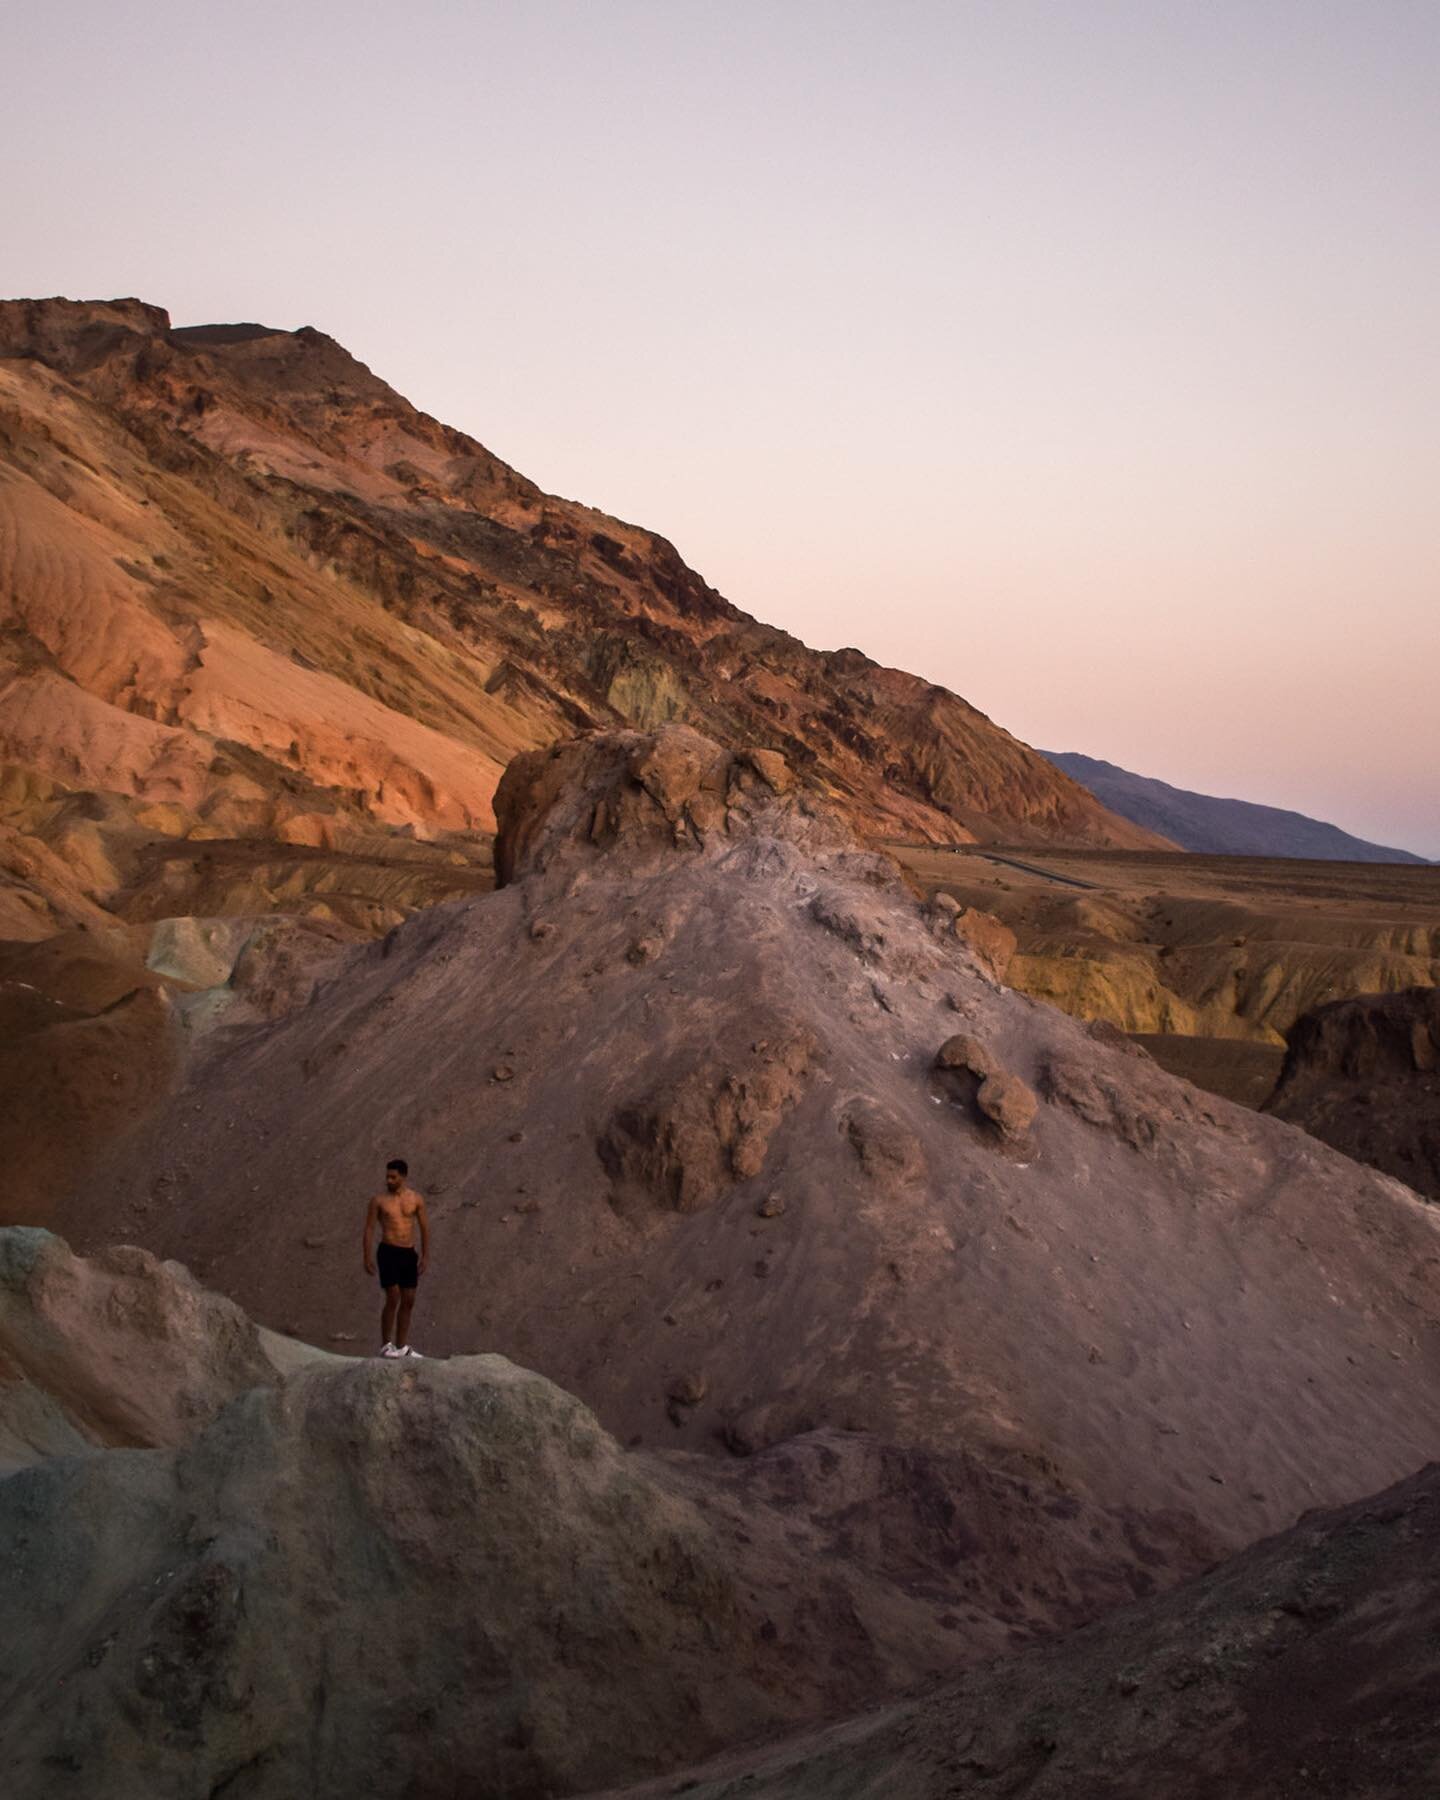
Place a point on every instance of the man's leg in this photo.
(402, 1324)
(387, 1318)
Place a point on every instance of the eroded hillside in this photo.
(247, 591)
(1208, 960)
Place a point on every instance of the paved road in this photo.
(1011, 862)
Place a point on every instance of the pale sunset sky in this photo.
(1080, 356)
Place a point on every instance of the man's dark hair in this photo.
(399, 1164)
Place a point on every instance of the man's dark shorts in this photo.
(397, 1267)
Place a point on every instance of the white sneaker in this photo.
(405, 1350)
(389, 1350)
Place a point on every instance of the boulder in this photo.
(965, 1052)
(645, 792)
(710, 1128)
(1008, 1104)
(990, 940)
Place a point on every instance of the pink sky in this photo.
(1078, 356)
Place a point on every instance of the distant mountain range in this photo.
(1221, 827)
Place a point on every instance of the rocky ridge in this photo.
(1206, 823)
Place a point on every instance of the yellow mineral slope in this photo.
(1197, 946)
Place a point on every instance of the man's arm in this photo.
(422, 1219)
(372, 1213)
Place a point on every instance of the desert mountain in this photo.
(248, 591)
(729, 1135)
(1364, 1075)
(1218, 827)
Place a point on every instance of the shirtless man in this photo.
(397, 1212)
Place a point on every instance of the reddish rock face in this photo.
(247, 580)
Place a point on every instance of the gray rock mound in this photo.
(407, 1579)
(374, 1580)
(119, 1349)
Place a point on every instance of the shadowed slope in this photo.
(1214, 826)
(1308, 1666)
(1364, 1075)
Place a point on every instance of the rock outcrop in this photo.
(1364, 1075)
(119, 1350)
(666, 790)
(330, 1576)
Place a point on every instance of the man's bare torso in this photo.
(396, 1213)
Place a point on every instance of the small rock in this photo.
(689, 1390)
(772, 769)
(342, 1337)
(502, 1072)
(990, 941)
(965, 1052)
(314, 1243)
(771, 1206)
(1007, 1103)
(541, 928)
